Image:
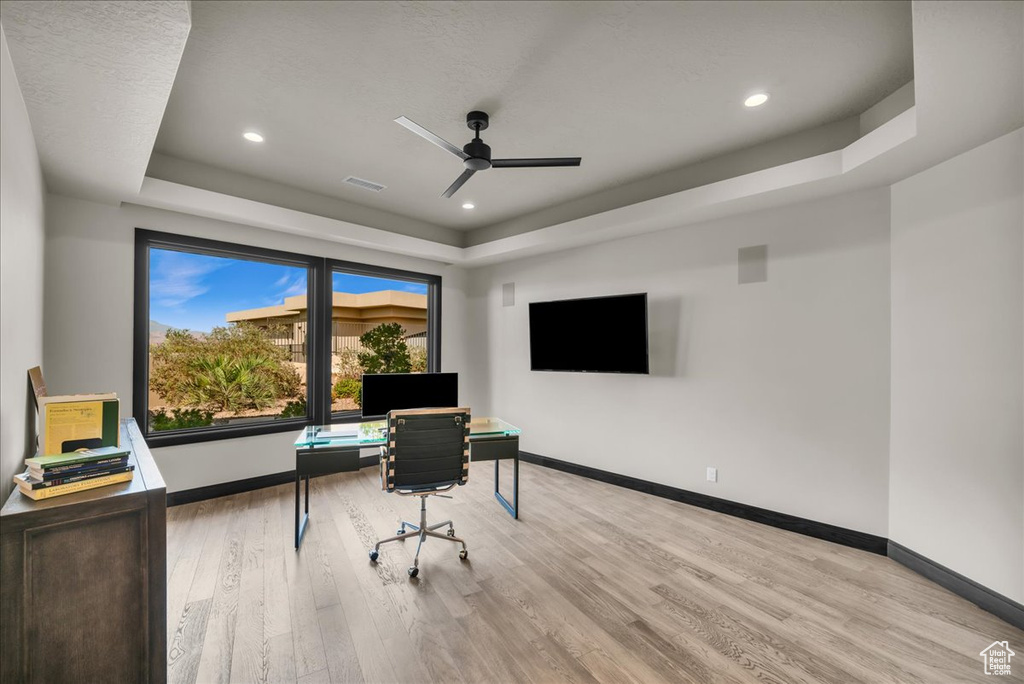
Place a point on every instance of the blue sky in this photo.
(357, 284)
(195, 291)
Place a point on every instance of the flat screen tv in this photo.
(593, 335)
(383, 392)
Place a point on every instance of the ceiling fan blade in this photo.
(454, 187)
(427, 135)
(526, 163)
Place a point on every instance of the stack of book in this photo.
(49, 476)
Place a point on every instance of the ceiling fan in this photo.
(476, 155)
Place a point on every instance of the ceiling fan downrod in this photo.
(478, 153)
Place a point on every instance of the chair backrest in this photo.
(427, 449)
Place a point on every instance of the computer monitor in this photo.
(383, 392)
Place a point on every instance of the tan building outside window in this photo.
(357, 308)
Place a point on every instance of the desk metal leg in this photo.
(515, 486)
(315, 461)
(512, 508)
(300, 523)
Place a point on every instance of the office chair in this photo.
(427, 453)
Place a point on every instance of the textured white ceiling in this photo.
(634, 88)
(95, 77)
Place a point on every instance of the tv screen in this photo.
(594, 335)
(383, 392)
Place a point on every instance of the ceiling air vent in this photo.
(364, 184)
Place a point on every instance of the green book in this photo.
(84, 456)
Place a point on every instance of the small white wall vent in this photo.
(364, 184)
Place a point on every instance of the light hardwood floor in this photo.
(593, 584)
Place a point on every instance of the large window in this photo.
(233, 340)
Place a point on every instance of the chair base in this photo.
(422, 531)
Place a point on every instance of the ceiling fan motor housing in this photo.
(479, 155)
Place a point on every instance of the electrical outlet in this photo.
(712, 474)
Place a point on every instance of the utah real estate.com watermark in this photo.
(997, 658)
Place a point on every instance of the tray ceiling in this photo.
(636, 89)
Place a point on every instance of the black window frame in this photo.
(433, 283)
(318, 352)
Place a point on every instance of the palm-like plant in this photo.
(212, 384)
(255, 374)
(230, 384)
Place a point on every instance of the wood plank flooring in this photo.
(594, 584)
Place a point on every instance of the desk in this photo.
(319, 452)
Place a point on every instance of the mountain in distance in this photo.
(158, 332)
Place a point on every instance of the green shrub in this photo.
(347, 388)
(179, 419)
(294, 409)
(231, 369)
(229, 384)
(346, 364)
(418, 359)
(388, 352)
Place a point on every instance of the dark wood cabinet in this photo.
(83, 581)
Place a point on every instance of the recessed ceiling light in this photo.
(252, 136)
(756, 100)
(468, 205)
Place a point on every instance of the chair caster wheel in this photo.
(374, 555)
(401, 531)
(451, 531)
(413, 571)
(463, 554)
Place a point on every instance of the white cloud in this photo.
(296, 287)
(178, 277)
(287, 285)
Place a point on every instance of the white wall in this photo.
(783, 385)
(957, 448)
(21, 274)
(88, 320)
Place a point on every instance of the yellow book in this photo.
(77, 421)
(73, 487)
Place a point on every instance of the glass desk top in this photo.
(373, 433)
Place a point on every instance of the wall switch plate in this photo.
(712, 474)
